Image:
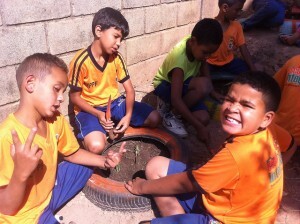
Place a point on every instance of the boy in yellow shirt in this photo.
(32, 186)
(94, 76)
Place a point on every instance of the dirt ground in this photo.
(269, 55)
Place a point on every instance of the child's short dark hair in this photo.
(263, 83)
(109, 17)
(208, 31)
(39, 65)
(230, 2)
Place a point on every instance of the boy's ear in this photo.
(267, 119)
(98, 31)
(193, 40)
(224, 7)
(30, 83)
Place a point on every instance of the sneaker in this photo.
(174, 124)
(162, 107)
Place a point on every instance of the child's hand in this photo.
(114, 158)
(107, 124)
(135, 186)
(26, 157)
(122, 125)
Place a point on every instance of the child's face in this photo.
(231, 13)
(110, 39)
(48, 92)
(243, 111)
(201, 52)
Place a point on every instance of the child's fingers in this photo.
(12, 150)
(15, 138)
(122, 148)
(35, 150)
(39, 153)
(30, 138)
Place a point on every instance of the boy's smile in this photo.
(243, 111)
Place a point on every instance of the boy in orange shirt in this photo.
(243, 182)
(288, 113)
(32, 186)
(223, 60)
(94, 76)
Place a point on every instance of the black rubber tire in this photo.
(111, 195)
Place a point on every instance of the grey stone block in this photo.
(16, 11)
(142, 48)
(16, 43)
(139, 3)
(188, 12)
(69, 34)
(80, 7)
(8, 85)
(160, 17)
(136, 21)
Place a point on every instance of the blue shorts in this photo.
(235, 67)
(163, 91)
(191, 203)
(87, 122)
(70, 179)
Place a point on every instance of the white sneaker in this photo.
(162, 107)
(175, 125)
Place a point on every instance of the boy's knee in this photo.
(153, 120)
(157, 167)
(202, 86)
(95, 147)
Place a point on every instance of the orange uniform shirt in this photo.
(233, 38)
(96, 83)
(288, 113)
(59, 138)
(244, 181)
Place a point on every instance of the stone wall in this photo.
(62, 27)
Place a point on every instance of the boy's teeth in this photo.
(232, 120)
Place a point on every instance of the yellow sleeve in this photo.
(122, 73)
(67, 143)
(6, 164)
(77, 71)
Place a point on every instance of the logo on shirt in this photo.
(294, 79)
(274, 164)
(91, 84)
(231, 44)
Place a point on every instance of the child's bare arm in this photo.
(87, 158)
(83, 105)
(130, 97)
(26, 158)
(247, 57)
(165, 186)
(181, 106)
